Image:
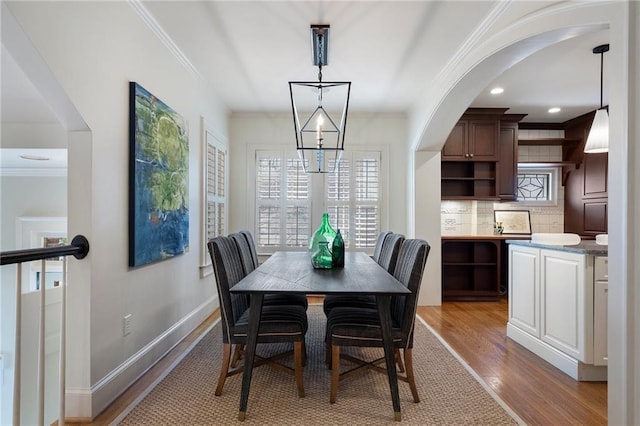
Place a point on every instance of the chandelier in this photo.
(320, 112)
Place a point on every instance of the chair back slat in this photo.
(389, 253)
(409, 270)
(228, 269)
(245, 252)
(379, 244)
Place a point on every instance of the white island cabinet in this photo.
(557, 305)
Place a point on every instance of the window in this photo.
(537, 185)
(282, 201)
(288, 210)
(215, 194)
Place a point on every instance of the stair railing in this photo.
(79, 248)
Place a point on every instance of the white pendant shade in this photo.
(598, 140)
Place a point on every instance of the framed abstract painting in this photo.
(158, 179)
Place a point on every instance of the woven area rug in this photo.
(449, 393)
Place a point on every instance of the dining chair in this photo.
(379, 243)
(278, 323)
(356, 326)
(244, 241)
(386, 259)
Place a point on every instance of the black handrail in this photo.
(79, 248)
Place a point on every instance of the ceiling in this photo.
(391, 51)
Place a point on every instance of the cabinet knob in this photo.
(471, 155)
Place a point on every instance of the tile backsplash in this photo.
(476, 217)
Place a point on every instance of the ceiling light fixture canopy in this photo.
(320, 112)
(598, 139)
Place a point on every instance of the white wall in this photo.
(385, 131)
(94, 49)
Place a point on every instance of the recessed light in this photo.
(497, 90)
(34, 157)
(554, 110)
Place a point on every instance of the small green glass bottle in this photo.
(320, 244)
(337, 250)
(322, 258)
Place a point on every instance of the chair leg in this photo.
(327, 356)
(237, 355)
(335, 372)
(399, 361)
(298, 356)
(224, 368)
(408, 360)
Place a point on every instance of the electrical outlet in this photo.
(126, 325)
(1, 369)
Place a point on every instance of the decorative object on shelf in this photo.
(324, 234)
(598, 139)
(513, 221)
(337, 250)
(158, 179)
(498, 228)
(320, 137)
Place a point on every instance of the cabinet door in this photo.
(562, 302)
(524, 289)
(483, 140)
(600, 299)
(455, 148)
(508, 161)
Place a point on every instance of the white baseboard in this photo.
(88, 403)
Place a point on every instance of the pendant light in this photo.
(598, 140)
(320, 112)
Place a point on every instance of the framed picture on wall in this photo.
(513, 221)
(158, 179)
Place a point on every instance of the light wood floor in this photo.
(538, 392)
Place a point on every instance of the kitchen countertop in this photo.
(584, 247)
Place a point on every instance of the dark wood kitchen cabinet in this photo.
(586, 188)
(472, 140)
(479, 158)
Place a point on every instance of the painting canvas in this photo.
(158, 179)
(514, 221)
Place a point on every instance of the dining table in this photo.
(292, 272)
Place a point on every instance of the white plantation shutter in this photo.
(214, 221)
(353, 198)
(367, 200)
(282, 201)
(287, 213)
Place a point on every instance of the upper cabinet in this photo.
(479, 158)
(472, 140)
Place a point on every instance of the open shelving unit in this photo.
(468, 179)
(471, 269)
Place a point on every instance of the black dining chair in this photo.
(379, 243)
(246, 246)
(278, 324)
(386, 259)
(356, 326)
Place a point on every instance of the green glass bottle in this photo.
(324, 234)
(337, 250)
(322, 258)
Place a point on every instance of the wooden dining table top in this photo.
(292, 272)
